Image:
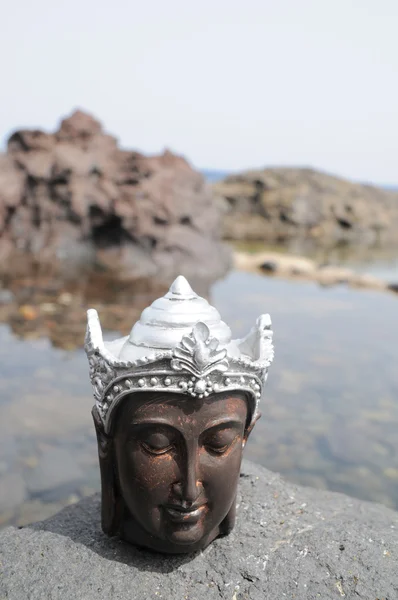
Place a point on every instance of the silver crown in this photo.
(180, 345)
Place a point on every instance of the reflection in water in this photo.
(330, 412)
(52, 306)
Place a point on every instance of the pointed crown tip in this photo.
(181, 287)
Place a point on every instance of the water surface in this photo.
(329, 413)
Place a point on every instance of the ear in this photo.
(250, 428)
(112, 505)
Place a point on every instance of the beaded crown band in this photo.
(179, 345)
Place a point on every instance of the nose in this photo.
(190, 487)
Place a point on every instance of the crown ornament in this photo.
(180, 345)
(197, 353)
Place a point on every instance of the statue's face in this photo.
(178, 464)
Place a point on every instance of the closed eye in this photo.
(220, 446)
(157, 442)
(215, 450)
(156, 451)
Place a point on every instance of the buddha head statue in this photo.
(175, 402)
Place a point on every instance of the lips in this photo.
(181, 514)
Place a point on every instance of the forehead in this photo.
(180, 408)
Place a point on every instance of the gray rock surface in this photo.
(289, 542)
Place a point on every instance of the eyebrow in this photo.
(226, 422)
(151, 421)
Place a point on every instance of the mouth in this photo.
(181, 514)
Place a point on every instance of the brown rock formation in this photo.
(281, 204)
(74, 197)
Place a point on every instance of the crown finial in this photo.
(180, 287)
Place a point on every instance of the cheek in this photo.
(222, 474)
(151, 476)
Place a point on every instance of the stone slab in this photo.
(289, 542)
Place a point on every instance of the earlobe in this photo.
(112, 505)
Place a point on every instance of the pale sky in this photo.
(230, 84)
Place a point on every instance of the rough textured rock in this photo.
(280, 204)
(76, 197)
(289, 542)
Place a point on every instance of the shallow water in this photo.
(329, 414)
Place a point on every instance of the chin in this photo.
(186, 535)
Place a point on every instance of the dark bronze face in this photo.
(177, 468)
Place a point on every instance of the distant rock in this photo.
(290, 266)
(332, 275)
(289, 542)
(75, 197)
(284, 203)
(275, 263)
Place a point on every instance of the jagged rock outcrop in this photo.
(284, 203)
(289, 542)
(75, 196)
